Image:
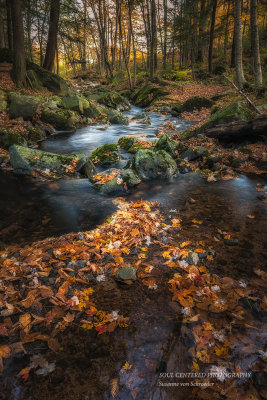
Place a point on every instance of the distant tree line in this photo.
(134, 37)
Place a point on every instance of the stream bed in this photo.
(85, 368)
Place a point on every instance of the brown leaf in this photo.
(114, 387)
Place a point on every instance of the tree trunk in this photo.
(51, 46)
(19, 63)
(165, 11)
(238, 45)
(9, 25)
(212, 27)
(255, 46)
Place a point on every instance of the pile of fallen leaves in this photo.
(46, 287)
(101, 179)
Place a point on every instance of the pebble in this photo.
(231, 242)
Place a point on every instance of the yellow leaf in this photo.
(197, 222)
(221, 352)
(127, 366)
(195, 366)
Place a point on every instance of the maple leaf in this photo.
(127, 366)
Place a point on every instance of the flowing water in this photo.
(32, 211)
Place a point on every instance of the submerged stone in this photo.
(127, 274)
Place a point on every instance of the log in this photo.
(252, 131)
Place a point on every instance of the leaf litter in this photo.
(46, 288)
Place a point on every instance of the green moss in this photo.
(8, 137)
(237, 111)
(61, 119)
(151, 164)
(147, 95)
(114, 100)
(195, 103)
(106, 154)
(27, 159)
(126, 142)
(35, 134)
(167, 144)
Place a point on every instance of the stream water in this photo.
(32, 211)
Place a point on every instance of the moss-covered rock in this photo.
(75, 102)
(25, 160)
(114, 100)
(167, 144)
(51, 102)
(237, 111)
(35, 134)
(123, 179)
(126, 142)
(143, 118)
(195, 103)
(116, 117)
(147, 94)
(106, 154)
(8, 137)
(151, 164)
(22, 106)
(53, 82)
(95, 111)
(192, 154)
(35, 82)
(61, 119)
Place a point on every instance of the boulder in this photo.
(60, 119)
(237, 111)
(143, 118)
(22, 106)
(52, 102)
(118, 185)
(88, 169)
(75, 102)
(195, 103)
(35, 82)
(24, 160)
(8, 137)
(116, 117)
(125, 142)
(114, 100)
(53, 82)
(151, 164)
(106, 154)
(146, 95)
(167, 144)
(192, 154)
(94, 110)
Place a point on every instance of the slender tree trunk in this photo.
(238, 45)
(2, 29)
(165, 16)
(52, 35)
(212, 27)
(226, 32)
(255, 45)
(19, 63)
(9, 25)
